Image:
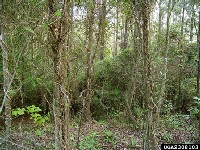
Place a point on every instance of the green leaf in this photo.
(33, 109)
(40, 121)
(194, 111)
(14, 113)
(38, 132)
(18, 111)
(35, 115)
(47, 118)
(58, 13)
(21, 111)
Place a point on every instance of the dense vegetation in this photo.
(99, 74)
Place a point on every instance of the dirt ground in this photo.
(97, 135)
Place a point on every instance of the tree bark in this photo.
(149, 139)
(125, 38)
(192, 23)
(198, 70)
(101, 32)
(5, 81)
(180, 63)
(159, 25)
(183, 18)
(90, 59)
(59, 28)
(116, 31)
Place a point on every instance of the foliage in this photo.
(38, 132)
(112, 76)
(34, 114)
(167, 108)
(109, 137)
(90, 142)
(133, 143)
(33, 109)
(174, 121)
(18, 111)
(167, 137)
(27, 30)
(195, 110)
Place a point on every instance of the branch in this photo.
(9, 85)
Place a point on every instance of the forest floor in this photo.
(97, 135)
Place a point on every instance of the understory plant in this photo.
(34, 113)
(90, 142)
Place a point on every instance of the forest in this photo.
(99, 74)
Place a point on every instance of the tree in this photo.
(165, 59)
(6, 82)
(125, 42)
(142, 11)
(192, 22)
(116, 30)
(198, 68)
(160, 21)
(149, 141)
(59, 28)
(90, 59)
(101, 26)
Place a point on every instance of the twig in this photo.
(9, 85)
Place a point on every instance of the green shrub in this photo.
(90, 142)
(34, 114)
(109, 137)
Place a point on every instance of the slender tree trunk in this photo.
(6, 92)
(182, 19)
(180, 63)
(159, 50)
(90, 59)
(125, 38)
(116, 31)
(165, 62)
(59, 39)
(159, 26)
(102, 25)
(130, 93)
(6, 81)
(198, 70)
(192, 23)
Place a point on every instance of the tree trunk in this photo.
(102, 25)
(198, 69)
(180, 63)
(5, 81)
(116, 31)
(159, 25)
(125, 39)
(182, 19)
(192, 23)
(59, 39)
(149, 141)
(90, 59)
(165, 62)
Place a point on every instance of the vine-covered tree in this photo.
(59, 28)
